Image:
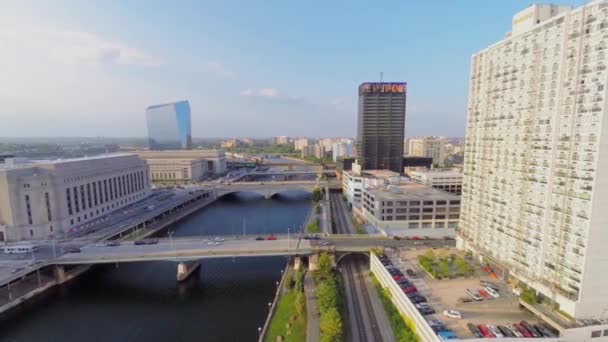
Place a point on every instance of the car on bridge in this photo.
(260, 238)
(271, 237)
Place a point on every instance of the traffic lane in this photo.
(387, 242)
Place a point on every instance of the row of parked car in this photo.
(515, 330)
(418, 300)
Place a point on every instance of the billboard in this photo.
(382, 87)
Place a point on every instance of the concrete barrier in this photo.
(277, 296)
(401, 302)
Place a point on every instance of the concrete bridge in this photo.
(266, 189)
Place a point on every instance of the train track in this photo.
(365, 326)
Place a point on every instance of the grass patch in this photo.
(289, 318)
(529, 296)
(402, 327)
(313, 227)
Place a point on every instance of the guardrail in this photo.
(402, 303)
(277, 295)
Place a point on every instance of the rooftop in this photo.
(14, 163)
(409, 191)
(165, 104)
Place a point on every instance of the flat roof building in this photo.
(183, 165)
(39, 199)
(169, 126)
(446, 180)
(381, 126)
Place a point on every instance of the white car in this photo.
(452, 314)
(494, 330)
(218, 239)
(214, 243)
(491, 292)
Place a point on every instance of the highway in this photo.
(362, 319)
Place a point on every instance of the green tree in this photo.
(317, 195)
(327, 295)
(443, 269)
(331, 326)
(325, 267)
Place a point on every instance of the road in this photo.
(365, 322)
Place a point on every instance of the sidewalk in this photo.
(312, 330)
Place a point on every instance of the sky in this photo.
(249, 68)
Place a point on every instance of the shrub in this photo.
(316, 195)
(330, 325)
(529, 296)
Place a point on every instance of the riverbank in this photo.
(288, 318)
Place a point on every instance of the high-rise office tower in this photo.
(535, 192)
(169, 126)
(381, 125)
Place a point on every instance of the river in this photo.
(226, 300)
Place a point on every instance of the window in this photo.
(82, 200)
(414, 210)
(414, 217)
(455, 202)
(428, 202)
(389, 211)
(441, 202)
(427, 225)
(48, 206)
(454, 217)
(440, 217)
(68, 200)
(427, 217)
(76, 205)
(412, 225)
(597, 333)
(439, 225)
(413, 203)
(401, 218)
(28, 209)
(427, 210)
(95, 193)
(89, 199)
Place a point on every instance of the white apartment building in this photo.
(446, 180)
(43, 198)
(410, 209)
(355, 180)
(433, 147)
(341, 149)
(535, 188)
(281, 140)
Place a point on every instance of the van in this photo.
(20, 249)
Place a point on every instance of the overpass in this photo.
(266, 189)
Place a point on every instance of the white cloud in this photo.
(72, 47)
(220, 69)
(268, 92)
(264, 92)
(247, 92)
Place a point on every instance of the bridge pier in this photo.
(297, 263)
(185, 269)
(59, 272)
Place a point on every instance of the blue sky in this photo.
(248, 68)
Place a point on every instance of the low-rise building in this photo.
(39, 199)
(344, 164)
(410, 209)
(353, 182)
(183, 165)
(231, 143)
(446, 180)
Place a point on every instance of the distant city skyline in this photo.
(72, 72)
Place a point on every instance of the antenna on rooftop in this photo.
(381, 76)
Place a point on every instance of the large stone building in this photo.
(432, 147)
(535, 188)
(169, 126)
(183, 165)
(381, 126)
(39, 199)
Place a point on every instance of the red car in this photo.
(522, 330)
(409, 289)
(484, 294)
(416, 238)
(397, 277)
(486, 333)
(271, 237)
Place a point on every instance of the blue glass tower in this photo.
(169, 126)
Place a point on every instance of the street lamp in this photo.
(269, 305)
(259, 332)
(170, 239)
(277, 285)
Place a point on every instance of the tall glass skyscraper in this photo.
(381, 126)
(169, 126)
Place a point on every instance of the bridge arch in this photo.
(264, 192)
(346, 254)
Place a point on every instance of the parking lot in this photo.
(446, 294)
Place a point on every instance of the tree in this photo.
(331, 326)
(327, 295)
(316, 195)
(326, 265)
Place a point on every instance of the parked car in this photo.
(446, 335)
(547, 332)
(522, 330)
(514, 330)
(493, 293)
(411, 273)
(325, 243)
(112, 244)
(530, 329)
(475, 296)
(416, 238)
(495, 331)
(483, 293)
(506, 332)
(396, 237)
(271, 237)
(485, 331)
(140, 242)
(73, 250)
(452, 314)
(474, 330)
(259, 238)
(417, 298)
(427, 311)
(409, 289)
(307, 237)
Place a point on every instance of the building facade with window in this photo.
(411, 209)
(381, 126)
(535, 187)
(48, 198)
(183, 166)
(169, 126)
(446, 180)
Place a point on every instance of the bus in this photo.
(20, 249)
